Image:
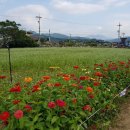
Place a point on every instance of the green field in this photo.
(65, 96)
(35, 60)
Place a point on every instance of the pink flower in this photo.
(18, 114)
(51, 105)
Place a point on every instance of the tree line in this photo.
(11, 35)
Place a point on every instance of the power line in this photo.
(64, 21)
(51, 19)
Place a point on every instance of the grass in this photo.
(34, 60)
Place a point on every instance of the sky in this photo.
(76, 17)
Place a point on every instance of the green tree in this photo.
(10, 30)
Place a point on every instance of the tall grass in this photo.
(35, 59)
(42, 58)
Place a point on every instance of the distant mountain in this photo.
(58, 37)
(101, 37)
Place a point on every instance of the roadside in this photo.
(123, 121)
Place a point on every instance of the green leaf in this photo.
(82, 113)
(36, 117)
(54, 119)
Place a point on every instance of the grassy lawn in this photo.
(33, 61)
(62, 98)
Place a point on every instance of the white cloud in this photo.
(26, 15)
(83, 7)
(77, 7)
(99, 28)
(114, 2)
(108, 2)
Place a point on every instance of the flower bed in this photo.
(63, 100)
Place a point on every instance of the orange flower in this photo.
(121, 62)
(74, 100)
(50, 85)
(66, 78)
(89, 89)
(27, 79)
(105, 69)
(46, 77)
(74, 85)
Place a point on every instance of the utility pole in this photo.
(119, 31)
(39, 18)
(70, 37)
(49, 36)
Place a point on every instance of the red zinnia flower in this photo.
(16, 89)
(96, 83)
(126, 66)
(2, 77)
(57, 84)
(16, 101)
(101, 65)
(18, 114)
(4, 116)
(91, 96)
(40, 82)
(51, 105)
(28, 108)
(72, 75)
(96, 65)
(99, 74)
(87, 107)
(60, 103)
(36, 88)
(76, 67)
(82, 77)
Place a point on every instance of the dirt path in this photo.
(123, 122)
